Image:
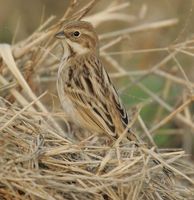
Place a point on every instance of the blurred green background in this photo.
(20, 18)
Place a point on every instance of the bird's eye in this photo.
(76, 33)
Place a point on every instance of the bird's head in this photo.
(79, 36)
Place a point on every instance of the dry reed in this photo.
(39, 159)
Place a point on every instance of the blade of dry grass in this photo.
(144, 27)
(6, 53)
(37, 163)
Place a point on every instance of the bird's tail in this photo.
(131, 136)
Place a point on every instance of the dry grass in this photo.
(41, 159)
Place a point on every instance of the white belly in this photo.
(66, 103)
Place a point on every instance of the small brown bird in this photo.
(86, 92)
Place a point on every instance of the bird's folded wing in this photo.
(92, 111)
(93, 94)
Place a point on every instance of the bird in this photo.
(85, 90)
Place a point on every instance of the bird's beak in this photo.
(60, 35)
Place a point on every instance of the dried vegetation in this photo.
(39, 157)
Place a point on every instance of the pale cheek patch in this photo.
(66, 50)
(77, 48)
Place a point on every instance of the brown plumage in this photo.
(85, 90)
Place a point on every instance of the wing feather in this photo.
(92, 93)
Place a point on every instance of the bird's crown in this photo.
(80, 36)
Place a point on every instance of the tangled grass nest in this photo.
(40, 159)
